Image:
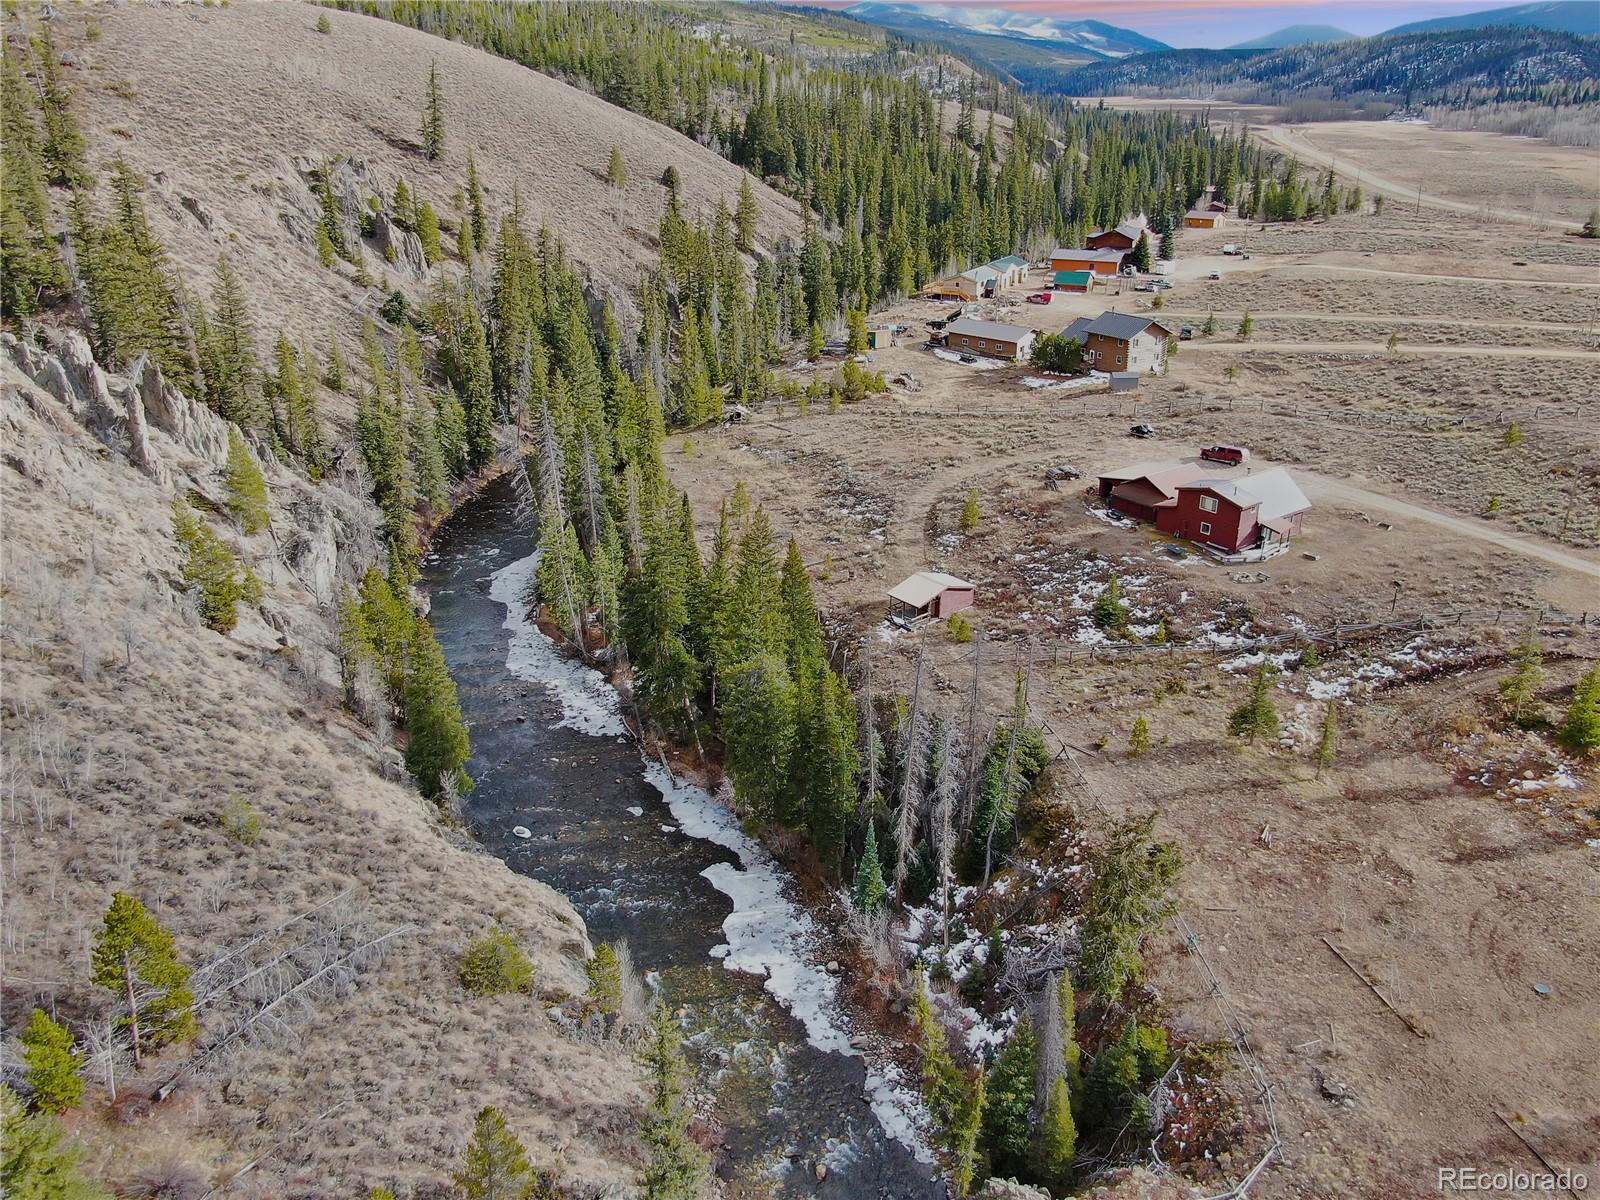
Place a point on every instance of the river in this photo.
(660, 864)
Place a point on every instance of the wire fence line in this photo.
(1061, 649)
(1238, 1032)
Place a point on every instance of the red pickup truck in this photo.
(1232, 455)
(1040, 298)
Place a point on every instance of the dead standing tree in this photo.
(1006, 808)
(913, 744)
(946, 783)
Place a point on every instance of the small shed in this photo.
(930, 594)
(1125, 381)
(880, 339)
(1197, 218)
(1073, 281)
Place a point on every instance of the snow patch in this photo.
(588, 703)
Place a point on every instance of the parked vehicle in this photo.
(969, 359)
(1142, 431)
(1040, 298)
(1215, 275)
(1230, 249)
(1144, 287)
(1161, 285)
(1246, 254)
(1232, 455)
(1186, 333)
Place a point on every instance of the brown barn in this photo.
(930, 594)
(1200, 218)
(1122, 237)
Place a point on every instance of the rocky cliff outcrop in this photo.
(144, 726)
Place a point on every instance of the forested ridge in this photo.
(899, 200)
(1452, 68)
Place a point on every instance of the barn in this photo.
(930, 594)
(1201, 218)
(1121, 237)
(1073, 281)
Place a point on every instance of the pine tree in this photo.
(212, 567)
(970, 513)
(605, 979)
(428, 234)
(677, 1166)
(1109, 612)
(496, 1165)
(1009, 1090)
(1209, 329)
(1247, 326)
(227, 352)
(1141, 254)
(1328, 739)
(1129, 896)
(869, 891)
(1518, 691)
(477, 396)
(616, 170)
(1256, 717)
(30, 266)
(494, 965)
(1057, 1142)
(1580, 729)
(36, 1162)
(1168, 248)
(247, 489)
(744, 217)
(437, 746)
(1111, 1092)
(476, 210)
(1139, 739)
(433, 117)
(64, 146)
(53, 1063)
(135, 959)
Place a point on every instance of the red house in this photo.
(1236, 514)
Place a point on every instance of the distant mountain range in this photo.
(1296, 35)
(996, 36)
(1404, 68)
(1561, 16)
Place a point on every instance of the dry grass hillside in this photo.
(129, 728)
(223, 108)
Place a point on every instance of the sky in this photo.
(1225, 22)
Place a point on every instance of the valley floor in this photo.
(1454, 861)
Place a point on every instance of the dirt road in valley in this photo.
(1380, 348)
(1294, 142)
(1320, 487)
(1391, 318)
